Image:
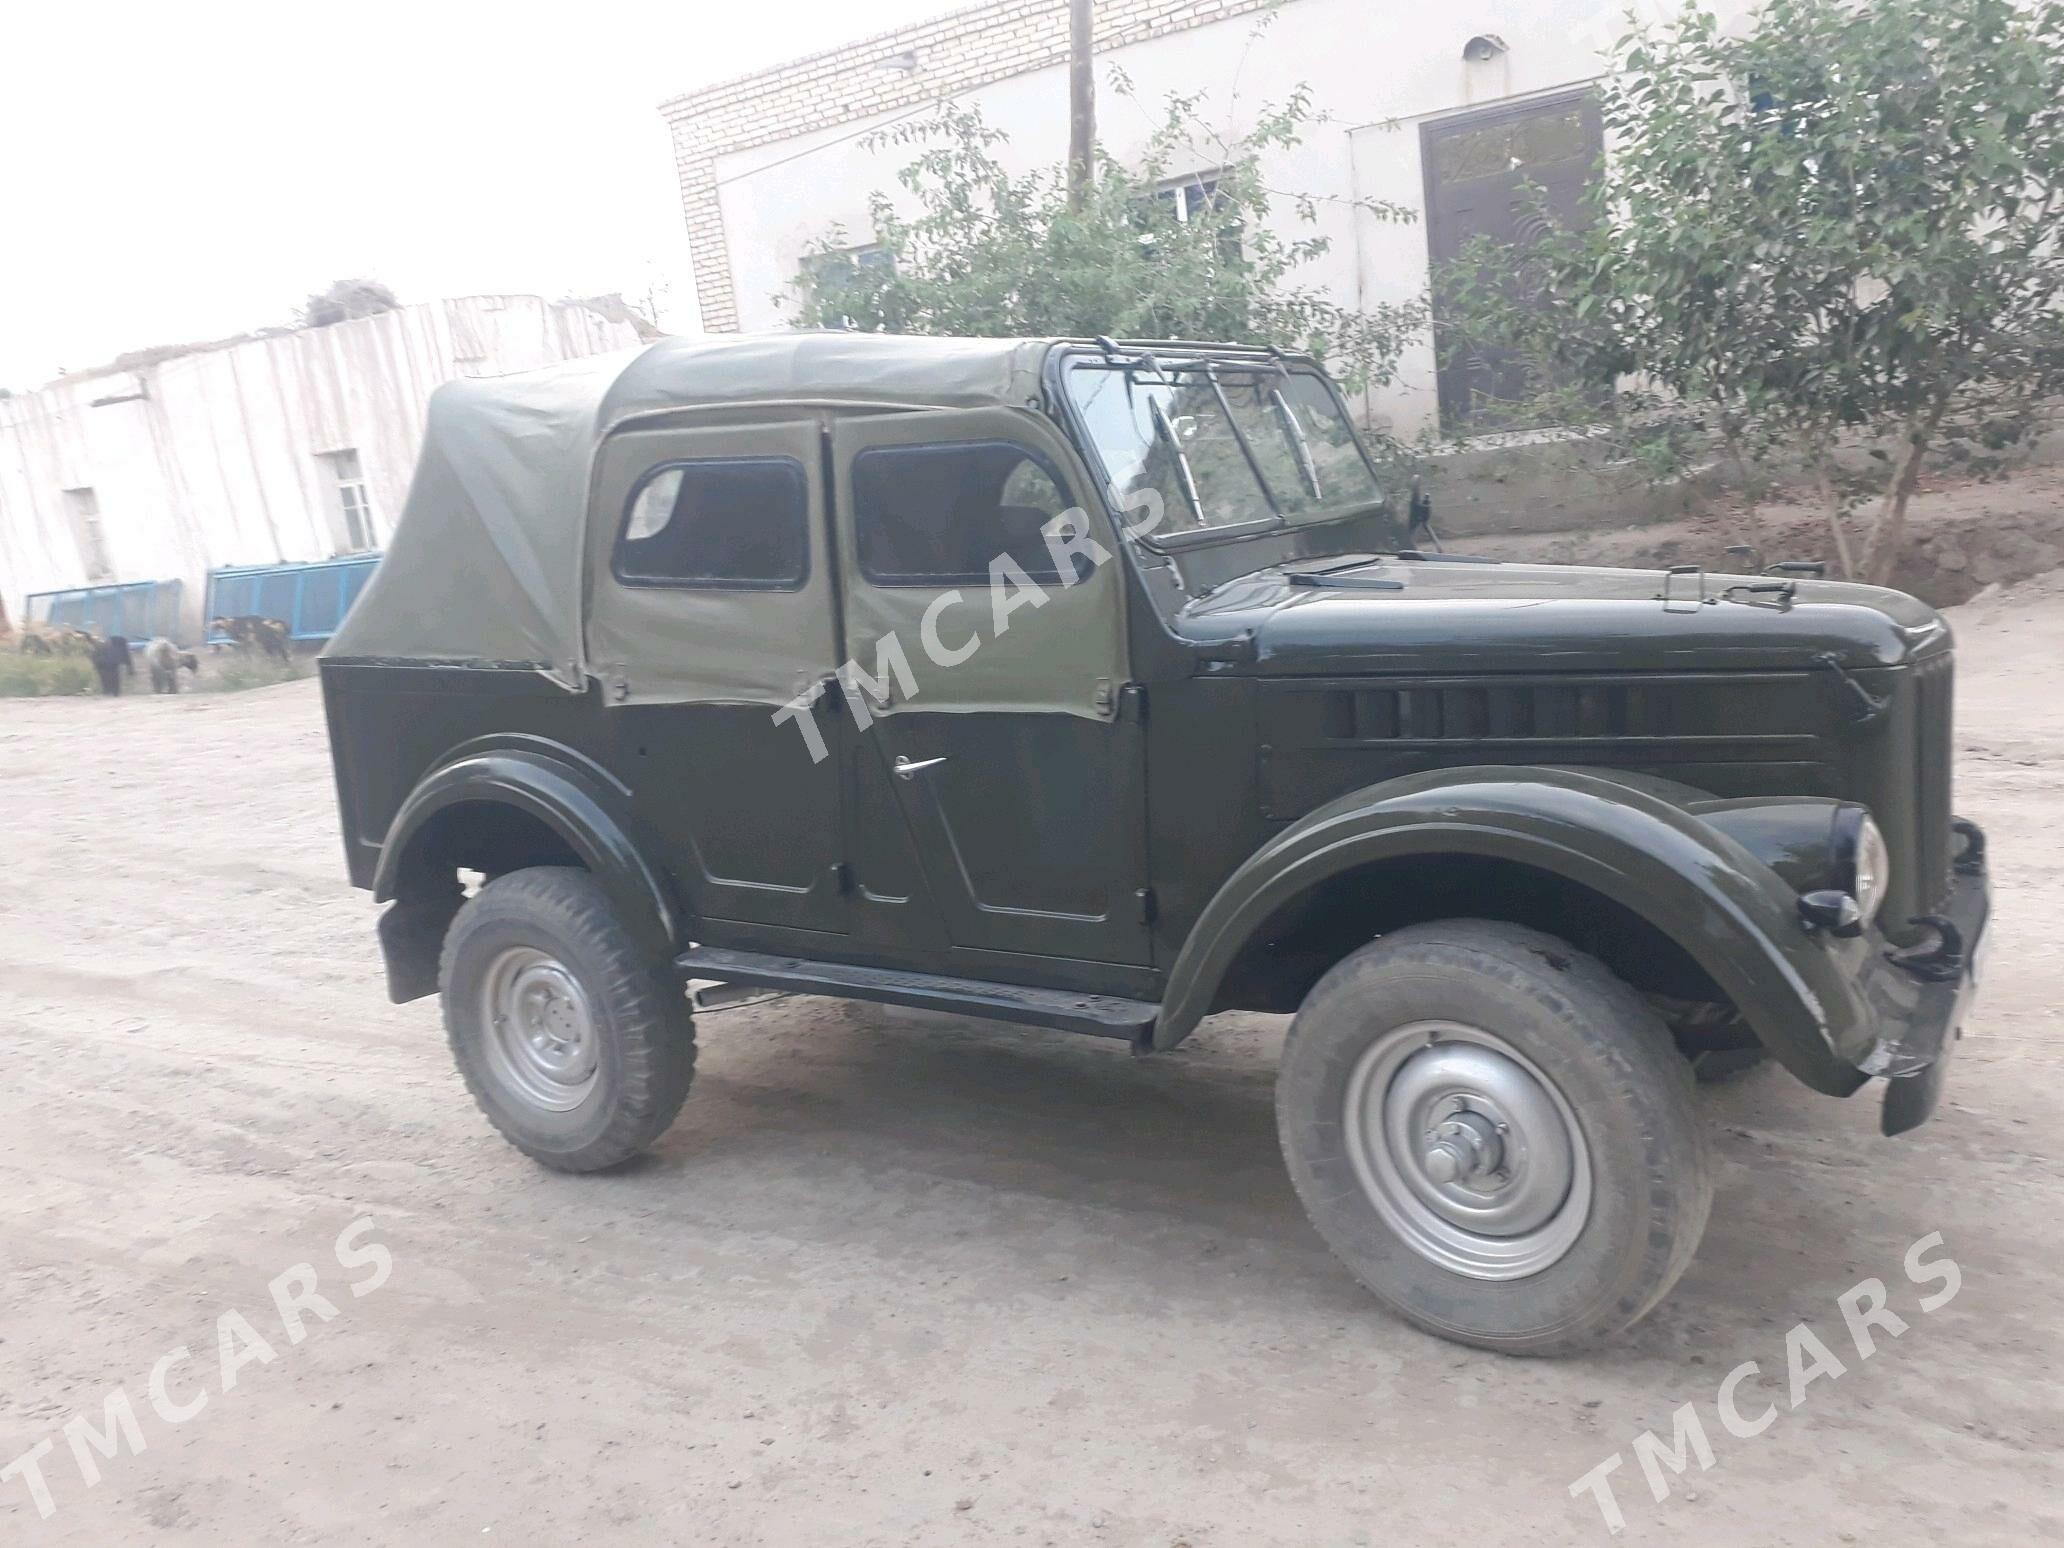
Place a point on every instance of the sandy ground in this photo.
(897, 1279)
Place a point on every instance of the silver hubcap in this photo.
(1467, 1150)
(541, 1037)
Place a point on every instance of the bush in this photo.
(240, 672)
(1840, 226)
(41, 677)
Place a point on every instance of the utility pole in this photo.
(1081, 104)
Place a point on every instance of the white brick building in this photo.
(292, 445)
(1430, 107)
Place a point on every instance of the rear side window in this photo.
(937, 515)
(736, 522)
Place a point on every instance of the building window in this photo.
(1196, 198)
(354, 504)
(844, 262)
(845, 269)
(740, 523)
(1189, 197)
(82, 507)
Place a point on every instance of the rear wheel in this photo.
(1495, 1135)
(572, 1042)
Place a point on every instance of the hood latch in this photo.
(1858, 702)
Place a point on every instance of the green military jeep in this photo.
(1097, 686)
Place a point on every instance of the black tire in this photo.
(643, 1038)
(1609, 1065)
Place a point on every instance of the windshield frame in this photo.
(1207, 360)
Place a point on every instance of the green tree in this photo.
(974, 248)
(1842, 224)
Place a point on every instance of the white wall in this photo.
(1378, 71)
(214, 458)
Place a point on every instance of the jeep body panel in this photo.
(577, 800)
(1631, 840)
(1118, 794)
(1396, 615)
(680, 778)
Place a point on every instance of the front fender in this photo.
(1627, 837)
(573, 799)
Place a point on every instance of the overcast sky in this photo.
(181, 172)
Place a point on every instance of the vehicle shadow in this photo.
(1004, 1132)
(1188, 1136)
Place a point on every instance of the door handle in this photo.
(905, 769)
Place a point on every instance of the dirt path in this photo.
(896, 1279)
(1967, 535)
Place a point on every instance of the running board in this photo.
(1100, 1015)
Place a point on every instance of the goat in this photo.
(250, 631)
(56, 640)
(164, 660)
(111, 660)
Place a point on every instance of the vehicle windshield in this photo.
(1223, 444)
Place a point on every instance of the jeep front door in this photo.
(993, 720)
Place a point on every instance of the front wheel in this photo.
(1495, 1135)
(576, 1047)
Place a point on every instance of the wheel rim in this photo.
(542, 1040)
(1467, 1150)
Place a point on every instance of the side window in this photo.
(937, 515)
(735, 522)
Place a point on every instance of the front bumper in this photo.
(1920, 999)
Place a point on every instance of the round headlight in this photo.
(1866, 862)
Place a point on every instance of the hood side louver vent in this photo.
(1529, 712)
(1737, 733)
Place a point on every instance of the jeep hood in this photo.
(1402, 615)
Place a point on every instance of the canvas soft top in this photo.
(484, 566)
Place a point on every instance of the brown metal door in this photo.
(1491, 173)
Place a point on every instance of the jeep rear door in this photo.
(997, 764)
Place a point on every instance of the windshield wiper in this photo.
(1295, 432)
(1165, 432)
(1225, 407)
(1324, 570)
(1341, 570)
(1325, 562)
(1208, 369)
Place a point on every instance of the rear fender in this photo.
(570, 796)
(1626, 837)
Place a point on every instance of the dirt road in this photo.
(896, 1279)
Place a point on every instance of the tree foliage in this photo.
(1843, 223)
(974, 248)
(345, 299)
